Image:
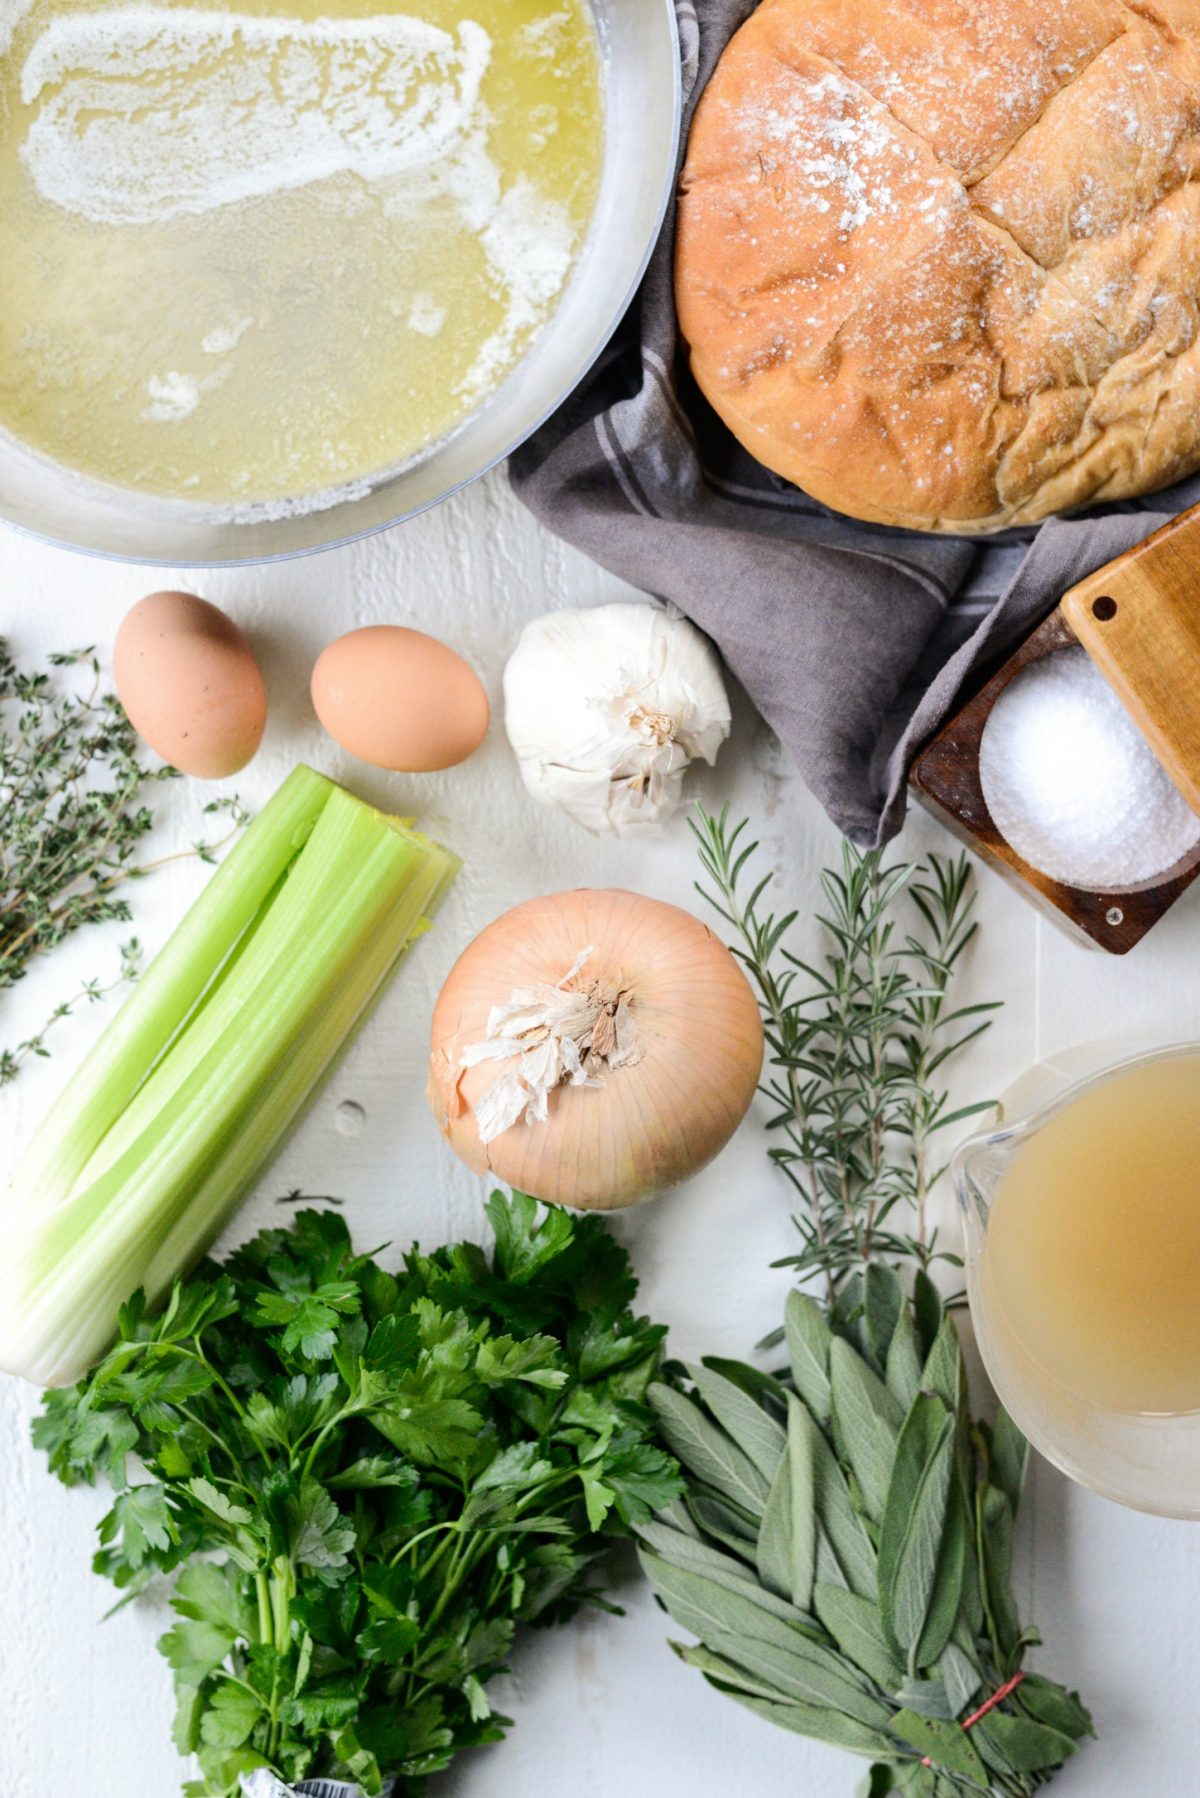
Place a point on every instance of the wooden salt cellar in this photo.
(1139, 620)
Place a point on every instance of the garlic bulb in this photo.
(594, 1048)
(606, 707)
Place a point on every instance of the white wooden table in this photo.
(602, 1708)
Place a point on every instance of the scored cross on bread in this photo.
(938, 261)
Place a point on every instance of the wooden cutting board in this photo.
(1139, 620)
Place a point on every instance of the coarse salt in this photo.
(1073, 785)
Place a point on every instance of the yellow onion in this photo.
(594, 1048)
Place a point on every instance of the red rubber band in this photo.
(996, 1698)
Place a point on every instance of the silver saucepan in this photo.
(642, 112)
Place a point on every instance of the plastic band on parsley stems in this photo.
(1010, 1685)
(264, 1784)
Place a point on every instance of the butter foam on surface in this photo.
(147, 112)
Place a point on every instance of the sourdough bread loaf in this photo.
(939, 260)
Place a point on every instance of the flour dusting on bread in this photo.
(939, 262)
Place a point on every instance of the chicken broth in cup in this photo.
(1083, 1239)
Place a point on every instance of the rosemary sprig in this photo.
(857, 1045)
(71, 801)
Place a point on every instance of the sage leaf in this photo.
(718, 1520)
(946, 1744)
(866, 1422)
(854, 1624)
(787, 1544)
(828, 1567)
(726, 1675)
(846, 1313)
(677, 1516)
(1008, 1458)
(814, 1677)
(710, 1610)
(821, 1725)
(707, 1450)
(756, 1434)
(773, 1551)
(928, 1311)
(757, 1385)
(925, 1425)
(914, 1520)
(883, 1301)
(961, 1677)
(944, 1372)
(948, 1580)
(904, 1361)
(740, 1629)
(844, 1528)
(970, 1604)
(910, 1779)
(808, 1336)
(928, 1697)
(995, 1538)
(1028, 1747)
(694, 1556)
(1050, 1703)
(994, 1758)
(919, 1624)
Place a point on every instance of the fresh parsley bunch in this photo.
(367, 1481)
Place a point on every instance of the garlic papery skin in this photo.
(594, 1076)
(606, 707)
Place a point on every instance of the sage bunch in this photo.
(843, 1552)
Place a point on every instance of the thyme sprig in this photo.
(89, 992)
(73, 817)
(857, 1044)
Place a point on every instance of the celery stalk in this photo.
(171, 988)
(206, 1101)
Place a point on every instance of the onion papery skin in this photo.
(655, 1122)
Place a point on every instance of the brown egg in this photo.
(190, 684)
(399, 699)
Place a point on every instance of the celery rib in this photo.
(173, 985)
(204, 1109)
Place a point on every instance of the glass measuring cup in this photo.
(1145, 1458)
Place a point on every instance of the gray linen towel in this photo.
(851, 639)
